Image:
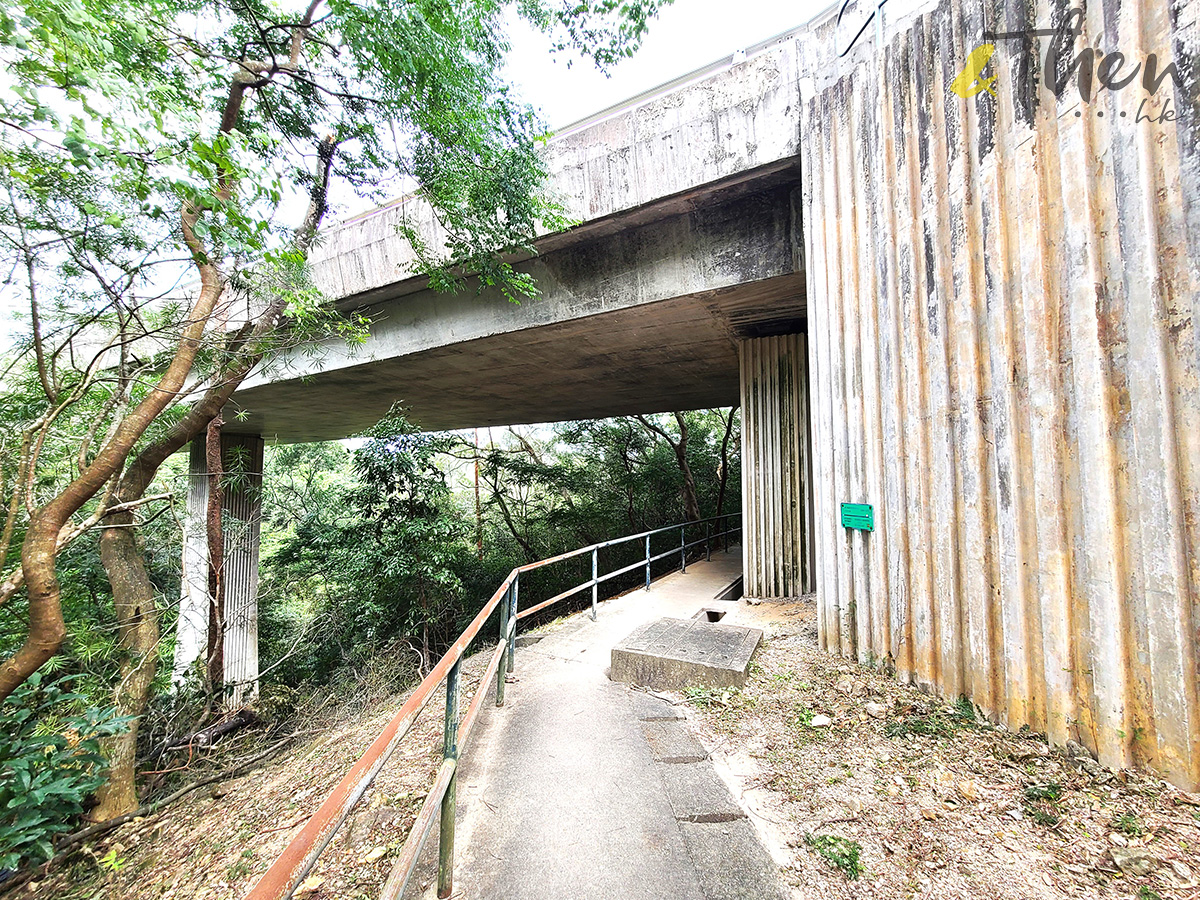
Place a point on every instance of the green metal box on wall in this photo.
(858, 515)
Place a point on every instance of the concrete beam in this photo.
(640, 320)
(701, 138)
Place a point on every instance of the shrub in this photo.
(50, 762)
(841, 853)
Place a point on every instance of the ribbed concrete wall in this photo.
(777, 549)
(1003, 295)
(242, 519)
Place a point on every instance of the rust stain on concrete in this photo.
(1002, 296)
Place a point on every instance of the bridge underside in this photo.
(639, 313)
(672, 354)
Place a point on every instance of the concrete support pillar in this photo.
(778, 557)
(241, 517)
(191, 634)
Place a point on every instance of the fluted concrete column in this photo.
(191, 635)
(241, 519)
(777, 504)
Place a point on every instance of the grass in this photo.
(802, 716)
(841, 853)
(1050, 791)
(939, 722)
(241, 867)
(1128, 823)
(1041, 803)
(1043, 814)
(706, 697)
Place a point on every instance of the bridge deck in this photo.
(579, 787)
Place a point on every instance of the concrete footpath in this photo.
(580, 788)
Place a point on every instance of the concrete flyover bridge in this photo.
(973, 317)
(683, 287)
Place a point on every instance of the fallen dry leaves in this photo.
(939, 803)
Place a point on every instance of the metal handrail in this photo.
(292, 866)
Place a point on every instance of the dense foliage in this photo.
(165, 166)
(144, 144)
(381, 552)
(50, 763)
(374, 561)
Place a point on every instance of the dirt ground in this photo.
(868, 788)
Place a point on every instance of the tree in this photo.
(328, 609)
(146, 143)
(679, 445)
(383, 554)
(729, 420)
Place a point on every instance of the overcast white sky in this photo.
(685, 36)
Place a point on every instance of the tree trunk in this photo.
(691, 505)
(137, 635)
(723, 481)
(506, 514)
(40, 548)
(133, 592)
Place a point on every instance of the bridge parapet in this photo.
(681, 144)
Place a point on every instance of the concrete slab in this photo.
(649, 708)
(673, 742)
(730, 862)
(697, 793)
(671, 654)
(556, 800)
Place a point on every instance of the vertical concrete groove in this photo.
(775, 444)
(241, 518)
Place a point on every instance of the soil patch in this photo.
(216, 844)
(865, 787)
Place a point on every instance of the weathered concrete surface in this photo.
(671, 654)
(669, 739)
(637, 165)
(640, 320)
(561, 795)
(778, 543)
(1005, 292)
(242, 512)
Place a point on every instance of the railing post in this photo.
(504, 612)
(708, 541)
(512, 619)
(449, 751)
(595, 585)
(683, 548)
(647, 562)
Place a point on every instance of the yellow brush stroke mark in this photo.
(969, 82)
